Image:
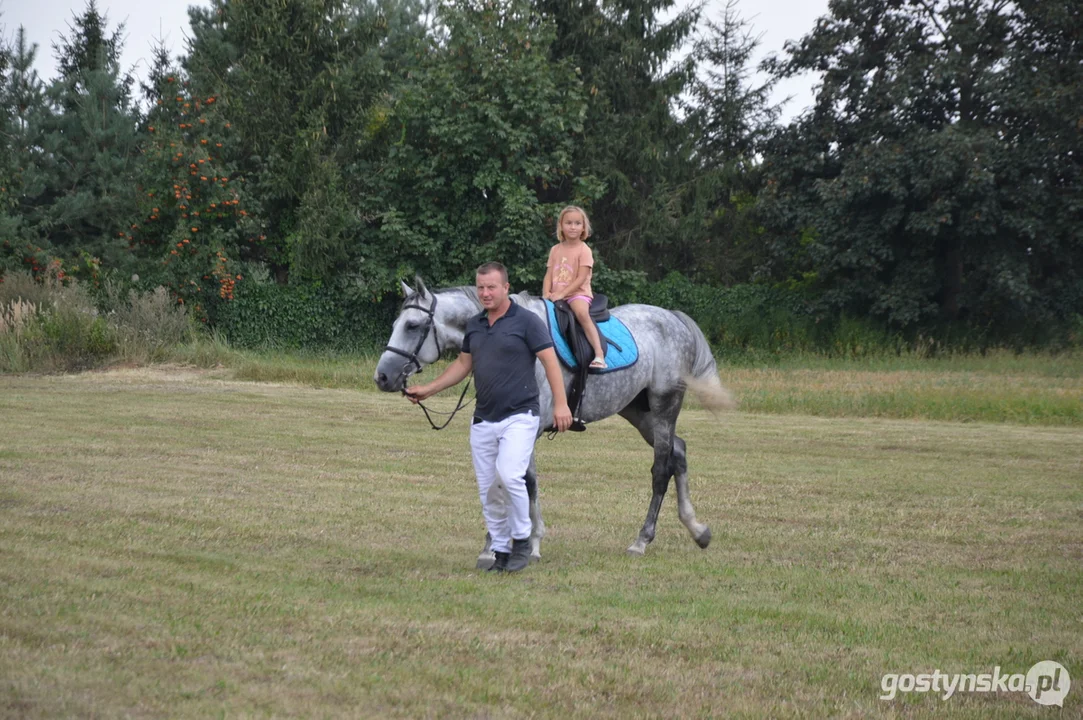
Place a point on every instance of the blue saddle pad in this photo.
(612, 328)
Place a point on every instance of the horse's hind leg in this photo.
(658, 432)
(700, 533)
(537, 525)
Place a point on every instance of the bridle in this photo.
(412, 359)
(430, 324)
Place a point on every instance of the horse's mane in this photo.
(471, 293)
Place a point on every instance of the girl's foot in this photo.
(598, 363)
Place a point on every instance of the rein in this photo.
(430, 325)
(451, 415)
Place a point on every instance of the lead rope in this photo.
(451, 415)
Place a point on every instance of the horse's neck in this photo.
(456, 307)
(529, 302)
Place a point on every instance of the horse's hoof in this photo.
(637, 549)
(535, 559)
(704, 538)
(486, 560)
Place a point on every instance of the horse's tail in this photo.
(702, 378)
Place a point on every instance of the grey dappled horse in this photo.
(673, 356)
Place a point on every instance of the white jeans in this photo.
(501, 452)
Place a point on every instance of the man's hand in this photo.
(455, 373)
(417, 393)
(562, 417)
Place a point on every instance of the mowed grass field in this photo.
(177, 543)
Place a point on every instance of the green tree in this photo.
(489, 119)
(634, 152)
(731, 118)
(935, 178)
(79, 188)
(733, 114)
(295, 78)
(21, 101)
(197, 222)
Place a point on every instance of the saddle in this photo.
(581, 350)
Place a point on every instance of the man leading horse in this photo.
(499, 346)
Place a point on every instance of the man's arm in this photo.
(562, 415)
(455, 373)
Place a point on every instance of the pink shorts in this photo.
(586, 298)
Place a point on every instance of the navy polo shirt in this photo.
(503, 356)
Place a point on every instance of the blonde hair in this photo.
(587, 232)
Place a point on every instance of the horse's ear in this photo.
(407, 291)
(420, 285)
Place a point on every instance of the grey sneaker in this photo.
(501, 563)
(520, 555)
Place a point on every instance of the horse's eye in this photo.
(411, 326)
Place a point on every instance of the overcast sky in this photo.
(44, 20)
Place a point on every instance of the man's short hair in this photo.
(490, 267)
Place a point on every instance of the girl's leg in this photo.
(581, 308)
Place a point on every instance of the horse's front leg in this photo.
(486, 557)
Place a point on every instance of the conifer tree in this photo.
(81, 186)
(634, 150)
(21, 105)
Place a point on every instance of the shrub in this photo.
(16, 286)
(150, 324)
(314, 317)
(49, 325)
(16, 318)
(63, 332)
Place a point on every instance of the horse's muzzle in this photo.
(394, 383)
